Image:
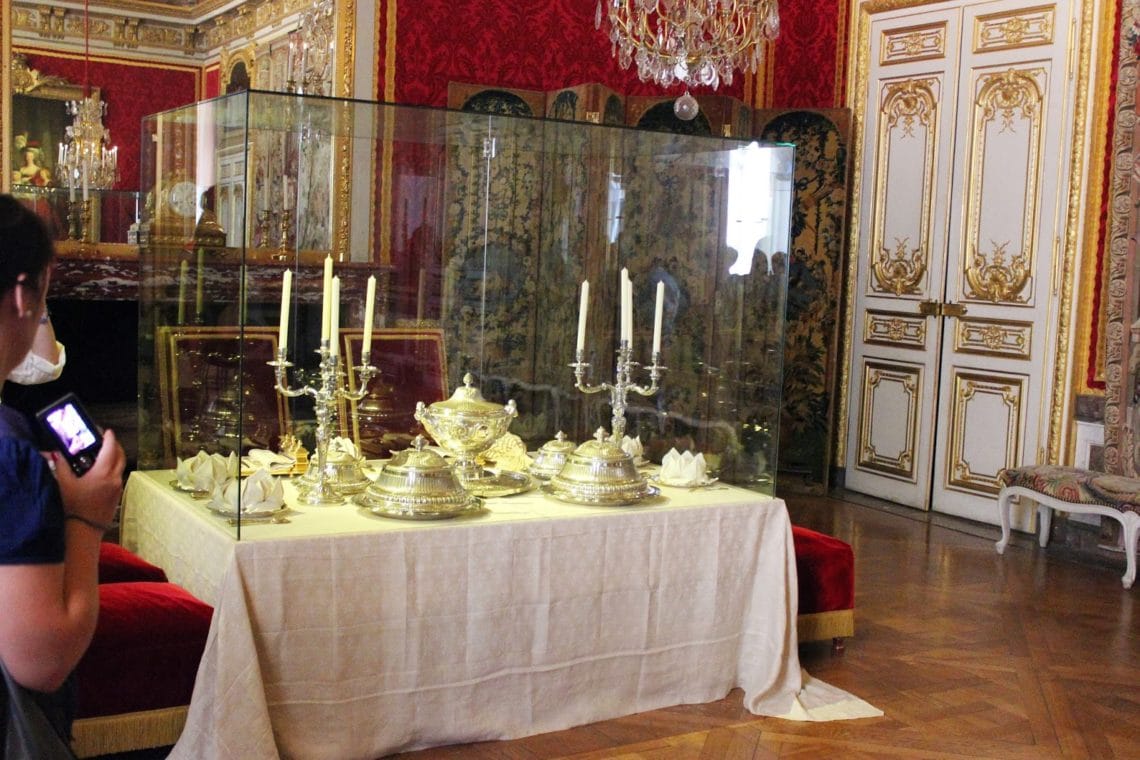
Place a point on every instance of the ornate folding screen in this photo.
(815, 277)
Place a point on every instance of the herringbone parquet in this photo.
(969, 654)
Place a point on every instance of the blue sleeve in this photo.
(31, 511)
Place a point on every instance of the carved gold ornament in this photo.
(991, 279)
(901, 270)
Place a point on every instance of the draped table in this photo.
(345, 635)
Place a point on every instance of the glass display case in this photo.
(476, 233)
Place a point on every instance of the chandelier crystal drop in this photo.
(693, 42)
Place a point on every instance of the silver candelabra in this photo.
(325, 396)
(622, 385)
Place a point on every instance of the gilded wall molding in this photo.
(1119, 427)
(914, 43)
(971, 388)
(907, 380)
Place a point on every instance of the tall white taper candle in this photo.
(583, 307)
(369, 312)
(286, 298)
(326, 299)
(658, 309)
(334, 318)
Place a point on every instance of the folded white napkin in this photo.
(266, 459)
(633, 447)
(203, 471)
(261, 493)
(682, 469)
(341, 448)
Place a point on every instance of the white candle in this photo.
(583, 306)
(624, 324)
(658, 309)
(326, 296)
(369, 311)
(183, 276)
(286, 297)
(334, 317)
(628, 308)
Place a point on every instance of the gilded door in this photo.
(960, 221)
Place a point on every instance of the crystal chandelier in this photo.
(85, 158)
(693, 42)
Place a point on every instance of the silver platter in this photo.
(506, 483)
(193, 492)
(627, 499)
(267, 514)
(400, 511)
(686, 486)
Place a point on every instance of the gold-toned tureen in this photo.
(465, 425)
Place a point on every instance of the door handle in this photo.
(930, 308)
(940, 309)
(953, 310)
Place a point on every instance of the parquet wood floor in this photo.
(1030, 655)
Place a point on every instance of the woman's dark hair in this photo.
(25, 244)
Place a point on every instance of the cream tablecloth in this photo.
(344, 635)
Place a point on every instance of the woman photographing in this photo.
(51, 521)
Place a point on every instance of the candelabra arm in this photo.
(580, 366)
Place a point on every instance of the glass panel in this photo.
(479, 231)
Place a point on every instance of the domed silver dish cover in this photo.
(600, 473)
(465, 425)
(345, 473)
(549, 459)
(417, 484)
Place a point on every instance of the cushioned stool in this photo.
(1070, 489)
(120, 565)
(135, 680)
(826, 570)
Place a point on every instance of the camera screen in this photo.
(69, 425)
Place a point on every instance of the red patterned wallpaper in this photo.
(526, 44)
(131, 90)
(212, 87)
(805, 65)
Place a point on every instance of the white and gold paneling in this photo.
(890, 391)
(985, 417)
(967, 139)
(905, 184)
(903, 215)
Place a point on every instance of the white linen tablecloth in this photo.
(343, 635)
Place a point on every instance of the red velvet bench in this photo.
(826, 570)
(135, 680)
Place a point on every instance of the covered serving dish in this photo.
(598, 472)
(417, 484)
(465, 425)
(549, 459)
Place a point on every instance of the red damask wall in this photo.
(131, 90)
(806, 69)
(526, 44)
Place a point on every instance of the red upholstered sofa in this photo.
(826, 570)
(135, 680)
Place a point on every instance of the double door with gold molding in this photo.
(965, 145)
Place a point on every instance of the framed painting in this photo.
(39, 125)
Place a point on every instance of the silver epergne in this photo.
(325, 398)
(621, 386)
